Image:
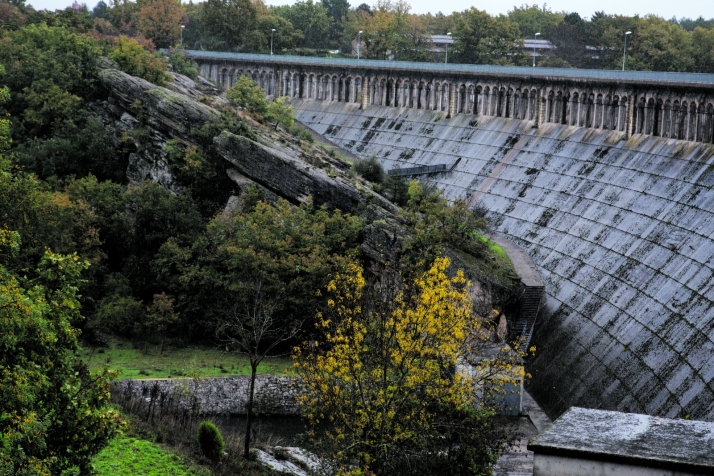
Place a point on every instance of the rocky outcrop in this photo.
(168, 111)
(285, 175)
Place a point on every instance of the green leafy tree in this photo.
(309, 18)
(659, 45)
(532, 19)
(54, 414)
(290, 250)
(570, 38)
(160, 318)
(703, 49)
(280, 113)
(284, 37)
(159, 216)
(482, 39)
(136, 60)
(229, 21)
(247, 94)
(181, 64)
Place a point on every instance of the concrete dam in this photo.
(606, 183)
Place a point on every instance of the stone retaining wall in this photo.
(221, 395)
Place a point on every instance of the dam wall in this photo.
(621, 229)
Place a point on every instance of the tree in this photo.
(251, 328)
(100, 9)
(703, 49)
(311, 19)
(280, 112)
(136, 60)
(390, 32)
(570, 38)
(160, 316)
(249, 95)
(54, 414)
(480, 38)
(160, 21)
(532, 19)
(230, 21)
(386, 368)
(658, 45)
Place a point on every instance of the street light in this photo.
(624, 51)
(271, 41)
(534, 49)
(182, 27)
(446, 56)
(358, 42)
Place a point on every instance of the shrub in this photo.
(280, 113)
(370, 169)
(301, 133)
(183, 65)
(136, 60)
(247, 94)
(210, 441)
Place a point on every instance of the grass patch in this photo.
(193, 361)
(495, 264)
(134, 457)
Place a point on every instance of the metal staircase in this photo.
(522, 328)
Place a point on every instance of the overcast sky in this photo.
(663, 8)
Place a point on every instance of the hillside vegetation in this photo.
(141, 207)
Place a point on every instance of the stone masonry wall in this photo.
(223, 395)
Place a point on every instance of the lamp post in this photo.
(446, 56)
(358, 42)
(181, 43)
(624, 50)
(534, 49)
(271, 41)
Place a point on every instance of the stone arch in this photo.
(709, 130)
(574, 109)
(485, 100)
(667, 119)
(701, 122)
(640, 116)
(524, 104)
(508, 103)
(390, 92)
(550, 102)
(692, 121)
(224, 78)
(470, 99)
(461, 98)
(677, 122)
(421, 95)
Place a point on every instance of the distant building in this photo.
(588, 442)
(538, 47)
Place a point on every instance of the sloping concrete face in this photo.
(622, 231)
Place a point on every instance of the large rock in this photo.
(287, 176)
(169, 111)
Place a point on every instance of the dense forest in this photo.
(390, 31)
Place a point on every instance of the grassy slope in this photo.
(496, 264)
(184, 362)
(133, 457)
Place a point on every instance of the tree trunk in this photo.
(249, 410)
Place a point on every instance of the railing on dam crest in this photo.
(672, 105)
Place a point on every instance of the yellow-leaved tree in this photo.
(386, 377)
